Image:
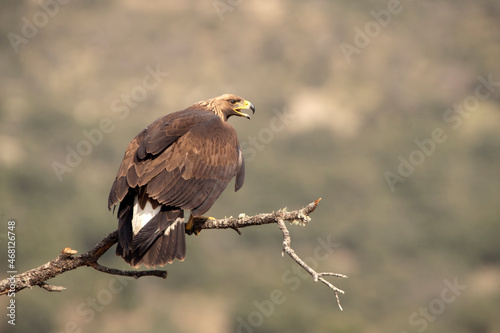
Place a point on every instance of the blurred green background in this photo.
(346, 94)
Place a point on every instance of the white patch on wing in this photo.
(174, 225)
(142, 216)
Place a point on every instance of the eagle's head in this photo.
(228, 105)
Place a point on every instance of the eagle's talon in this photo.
(195, 224)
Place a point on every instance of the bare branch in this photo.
(134, 274)
(66, 260)
(50, 287)
(300, 216)
(316, 276)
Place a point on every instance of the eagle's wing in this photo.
(184, 160)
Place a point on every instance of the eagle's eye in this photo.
(232, 101)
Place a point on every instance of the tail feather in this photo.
(165, 248)
(150, 232)
(176, 247)
(158, 242)
(125, 234)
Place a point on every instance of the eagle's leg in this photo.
(195, 223)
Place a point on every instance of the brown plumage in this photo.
(182, 161)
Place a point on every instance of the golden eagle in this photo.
(182, 161)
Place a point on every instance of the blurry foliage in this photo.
(351, 123)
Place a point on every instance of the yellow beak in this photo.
(246, 106)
